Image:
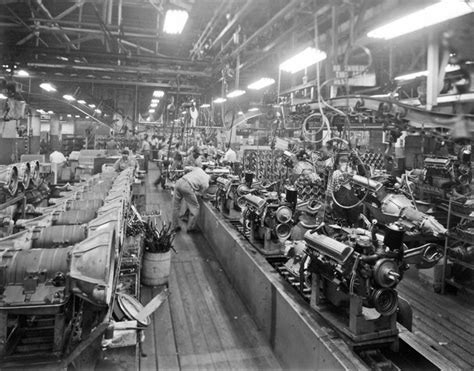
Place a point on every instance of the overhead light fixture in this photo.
(3, 96)
(155, 100)
(47, 86)
(236, 93)
(92, 105)
(175, 21)
(158, 93)
(22, 73)
(302, 60)
(151, 110)
(69, 97)
(98, 111)
(77, 116)
(69, 115)
(81, 101)
(262, 83)
(253, 109)
(205, 105)
(51, 112)
(219, 100)
(240, 113)
(431, 15)
(153, 105)
(414, 75)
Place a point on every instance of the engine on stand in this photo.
(268, 220)
(441, 175)
(353, 276)
(226, 195)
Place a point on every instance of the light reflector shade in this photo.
(262, 83)
(205, 105)
(236, 93)
(253, 109)
(81, 101)
(433, 14)
(151, 110)
(300, 61)
(153, 105)
(158, 93)
(69, 97)
(47, 86)
(219, 100)
(175, 21)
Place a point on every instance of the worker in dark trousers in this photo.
(146, 152)
(187, 188)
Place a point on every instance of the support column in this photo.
(55, 132)
(433, 71)
(35, 127)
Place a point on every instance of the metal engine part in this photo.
(9, 179)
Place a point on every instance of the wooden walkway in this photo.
(445, 322)
(204, 324)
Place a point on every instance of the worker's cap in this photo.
(125, 152)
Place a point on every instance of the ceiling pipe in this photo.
(231, 24)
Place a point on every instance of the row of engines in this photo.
(70, 249)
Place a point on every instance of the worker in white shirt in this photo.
(187, 188)
(230, 156)
(57, 157)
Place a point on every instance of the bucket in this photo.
(156, 268)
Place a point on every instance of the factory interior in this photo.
(236, 184)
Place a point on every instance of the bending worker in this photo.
(194, 183)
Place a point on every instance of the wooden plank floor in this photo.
(204, 324)
(445, 322)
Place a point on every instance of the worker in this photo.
(125, 162)
(343, 197)
(230, 156)
(146, 152)
(154, 146)
(192, 158)
(187, 188)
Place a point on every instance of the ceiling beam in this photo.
(28, 27)
(118, 69)
(208, 29)
(49, 15)
(29, 51)
(231, 24)
(184, 89)
(286, 10)
(69, 10)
